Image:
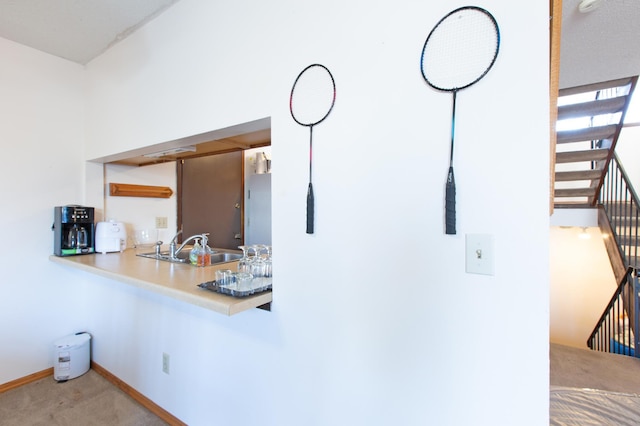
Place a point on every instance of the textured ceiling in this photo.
(596, 46)
(600, 45)
(77, 30)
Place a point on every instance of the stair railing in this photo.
(621, 204)
(613, 332)
(619, 324)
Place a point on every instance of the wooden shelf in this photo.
(128, 190)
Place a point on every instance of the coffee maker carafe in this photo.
(74, 230)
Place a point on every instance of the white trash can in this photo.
(72, 356)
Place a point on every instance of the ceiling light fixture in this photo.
(171, 151)
(584, 235)
(586, 6)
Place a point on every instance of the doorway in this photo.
(210, 197)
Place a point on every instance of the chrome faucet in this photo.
(173, 251)
(172, 245)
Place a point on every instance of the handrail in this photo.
(625, 175)
(613, 332)
(622, 206)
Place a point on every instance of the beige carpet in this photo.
(86, 400)
(593, 388)
(584, 368)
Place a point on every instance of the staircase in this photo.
(590, 118)
(589, 174)
(618, 329)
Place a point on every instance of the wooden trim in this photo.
(128, 190)
(137, 396)
(555, 12)
(179, 180)
(26, 380)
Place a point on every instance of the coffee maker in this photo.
(73, 230)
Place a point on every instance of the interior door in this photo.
(210, 198)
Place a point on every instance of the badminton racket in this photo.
(459, 51)
(312, 98)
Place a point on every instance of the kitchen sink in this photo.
(217, 257)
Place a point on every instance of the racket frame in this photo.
(310, 195)
(450, 190)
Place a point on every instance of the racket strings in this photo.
(312, 96)
(460, 50)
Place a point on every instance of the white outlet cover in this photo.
(479, 254)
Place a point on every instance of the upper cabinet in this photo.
(240, 142)
(253, 134)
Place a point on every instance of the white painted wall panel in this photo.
(42, 142)
(391, 330)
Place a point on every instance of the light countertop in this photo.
(174, 280)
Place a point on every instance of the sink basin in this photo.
(217, 257)
(224, 256)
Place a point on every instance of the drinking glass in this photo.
(244, 265)
(224, 277)
(244, 281)
(268, 268)
(257, 262)
(144, 240)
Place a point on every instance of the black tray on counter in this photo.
(233, 290)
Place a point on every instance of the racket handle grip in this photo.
(310, 209)
(450, 204)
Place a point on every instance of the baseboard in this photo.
(26, 380)
(137, 396)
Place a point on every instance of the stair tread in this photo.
(578, 156)
(572, 205)
(592, 108)
(587, 134)
(590, 174)
(574, 192)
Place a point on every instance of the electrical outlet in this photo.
(161, 222)
(165, 362)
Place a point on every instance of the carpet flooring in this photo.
(86, 400)
(584, 368)
(92, 400)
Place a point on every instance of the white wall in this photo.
(41, 135)
(138, 213)
(582, 282)
(374, 320)
(628, 150)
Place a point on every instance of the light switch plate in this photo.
(479, 254)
